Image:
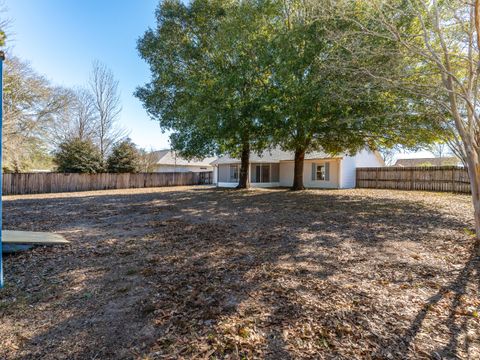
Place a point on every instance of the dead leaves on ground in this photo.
(225, 274)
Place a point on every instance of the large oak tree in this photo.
(209, 73)
(321, 101)
(231, 77)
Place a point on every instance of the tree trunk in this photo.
(298, 170)
(243, 182)
(474, 174)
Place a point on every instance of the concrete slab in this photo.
(32, 237)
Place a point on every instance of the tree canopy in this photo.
(231, 77)
(208, 76)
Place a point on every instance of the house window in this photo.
(234, 173)
(261, 174)
(265, 173)
(321, 172)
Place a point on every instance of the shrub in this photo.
(78, 156)
(124, 158)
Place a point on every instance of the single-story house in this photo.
(275, 168)
(439, 161)
(170, 161)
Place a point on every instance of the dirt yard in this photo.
(185, 273)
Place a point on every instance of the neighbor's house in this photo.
(170, 161)
(443, 161)
(275, 168)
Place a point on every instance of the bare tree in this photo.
(30, 106)
(106, 101)
(148, 160)
(76, 120)
(439, 149)
(84, 114)
(388, 155)
(455, 144)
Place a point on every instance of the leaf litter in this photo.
(198, 273)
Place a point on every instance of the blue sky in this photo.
(61, 38)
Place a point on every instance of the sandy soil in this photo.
(182, 273)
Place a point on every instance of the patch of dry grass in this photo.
(200, 273)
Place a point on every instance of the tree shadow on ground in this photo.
(229, 274)
(457, 320)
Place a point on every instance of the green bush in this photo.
(78, 156)
(124, 158)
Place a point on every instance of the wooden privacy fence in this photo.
(431, 178)
(38, 183)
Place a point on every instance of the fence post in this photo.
(412, 174)
(453, 179)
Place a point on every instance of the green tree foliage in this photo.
(4, 25)
(208, 76)
(78, 156)
(324, 98)
(238, 76)
(3, 37)
(124, 158)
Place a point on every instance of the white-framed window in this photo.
(320, 175)
(321, 171)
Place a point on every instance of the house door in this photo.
(262, 173)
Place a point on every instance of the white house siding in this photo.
(183, 168)
(342, 169)
(368, 159)
(226, 184)
(286, 173)
(253, 185)
(287, 167)
(350, 163)
(215, 174)
(347, 172)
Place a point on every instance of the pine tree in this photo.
(124, 158)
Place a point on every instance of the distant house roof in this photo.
(169, 157)
(444, 161)
(273, 156)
